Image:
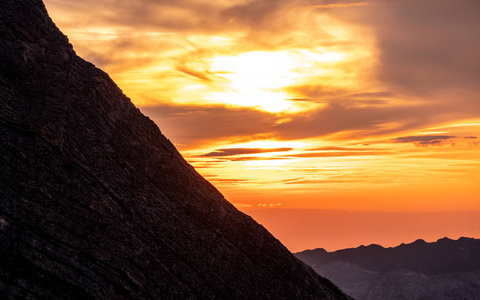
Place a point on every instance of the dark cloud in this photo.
(229, 181)
(427, 46)
(254, 13)
(423, 139)
(314, 92)
(337, 154)
(317, 93)
(179, 15)
(306, 155)
(335, 118)
(340, 149)
(191, 124)
(307, 181)
(202, 76)
(256, 158)
(275, 24)
(430, 143)
(240, 151)
(372, 95)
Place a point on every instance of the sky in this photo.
(295, 108)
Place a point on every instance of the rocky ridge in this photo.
(445, 269)
(97, 203)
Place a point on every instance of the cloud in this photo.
(269, 205)
(432, 140)
(257, 158)
(286, 156)
(340, 149)
(423, 139)
(366, 121)
(257, 12)
(425, 59)
(177, 15)
(357, 120)
(338, 154)
(274, 25)
(228, 180)
(202, 76)
(315, 182)
(242, 205)
(240, 151)
(192, 124)
(426, 47)
(344, 5)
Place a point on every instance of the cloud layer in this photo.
(375, 97)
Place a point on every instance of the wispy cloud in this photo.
(341, 149)
(340, 154)
(343, 5)
(423, 139)
(240, 151)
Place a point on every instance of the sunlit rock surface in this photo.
(97, 203)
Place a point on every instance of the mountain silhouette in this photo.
(445, 269)
(97, 203)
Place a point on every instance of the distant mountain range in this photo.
(445, 269)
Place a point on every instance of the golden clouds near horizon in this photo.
(413, 173)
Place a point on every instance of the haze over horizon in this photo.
(301, 104)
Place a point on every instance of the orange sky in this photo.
(304, 104)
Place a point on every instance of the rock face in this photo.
(97, 203)
(446, 269)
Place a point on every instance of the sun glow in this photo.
(255, 79)
(259, 79)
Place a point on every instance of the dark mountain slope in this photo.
(97, 203)
(446, 269)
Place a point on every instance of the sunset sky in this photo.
(307, 106)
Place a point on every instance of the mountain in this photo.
(97, 203)
(445, 269)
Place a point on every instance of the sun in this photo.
(255, 79)
(259, 79)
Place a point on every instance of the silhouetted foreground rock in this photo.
(97, 203)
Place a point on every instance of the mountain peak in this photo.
(97, 203)
(444, 239)
(419, 241)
